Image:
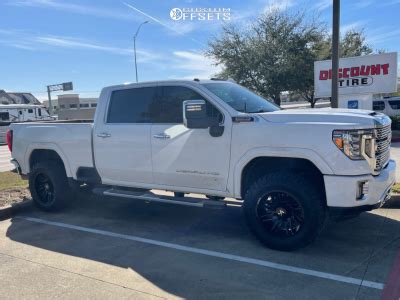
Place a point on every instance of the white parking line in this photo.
(258, 262)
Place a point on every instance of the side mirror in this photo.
(195, 114)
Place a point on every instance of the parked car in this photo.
(389, 106)
(291, 168)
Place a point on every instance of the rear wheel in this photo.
(284, 210)
(49, 187)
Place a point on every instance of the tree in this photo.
(266, 56)
(277, 53)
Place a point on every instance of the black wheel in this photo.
(49, 187)
(284, 210)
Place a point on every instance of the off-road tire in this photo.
(54, 172)
(309, 197)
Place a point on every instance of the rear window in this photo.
(132, 106)
(378, 105)
(4, 116)
(394, 104)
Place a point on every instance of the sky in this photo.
(90, 43)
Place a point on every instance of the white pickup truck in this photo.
(291, 169)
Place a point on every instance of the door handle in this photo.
(161, 136)
(103, 135)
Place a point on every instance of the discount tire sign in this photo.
(369, 74)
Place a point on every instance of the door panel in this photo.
(190, 157)
(185, 157)
(125, 156)
(122, 142)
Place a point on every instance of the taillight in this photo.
(9, 138)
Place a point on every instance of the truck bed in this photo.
(71, 139)
(63, 121)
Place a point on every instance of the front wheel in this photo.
(284, 210)
(49, 187)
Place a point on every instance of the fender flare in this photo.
(47, 146)
(291, 152)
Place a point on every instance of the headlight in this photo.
(355, 144)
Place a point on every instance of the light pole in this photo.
(335, 53)
(134, 45)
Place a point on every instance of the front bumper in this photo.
(341, 191)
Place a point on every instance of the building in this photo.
(72, 107)
(18, 98)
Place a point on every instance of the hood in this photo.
(354, 117)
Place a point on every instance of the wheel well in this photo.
(260, 166)
(40, 155)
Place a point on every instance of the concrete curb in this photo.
(8, 211)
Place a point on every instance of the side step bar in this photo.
(151, 197)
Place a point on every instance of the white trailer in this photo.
(12, 113)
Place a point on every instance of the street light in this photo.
(134, 45)
(335, 53)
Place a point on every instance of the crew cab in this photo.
(290, 169)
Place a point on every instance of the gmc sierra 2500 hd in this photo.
(291, 168)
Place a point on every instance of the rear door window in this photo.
(135, 105)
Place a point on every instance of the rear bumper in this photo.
(18, 169)
(341, 191)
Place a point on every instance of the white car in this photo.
(389, 106)
(291, 168)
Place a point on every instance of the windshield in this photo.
(240, 98)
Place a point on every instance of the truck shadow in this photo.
(343, 248)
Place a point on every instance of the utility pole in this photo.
(50, 105)
(134, 46)
(335, 53)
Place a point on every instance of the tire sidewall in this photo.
(304, 193)
(59, 181)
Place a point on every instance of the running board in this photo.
(151, 197)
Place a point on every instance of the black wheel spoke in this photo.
(280, 213)
(44, 189)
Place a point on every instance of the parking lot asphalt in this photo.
(102, 247)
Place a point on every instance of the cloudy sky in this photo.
(91, 42)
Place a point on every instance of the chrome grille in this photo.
(383, 138)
